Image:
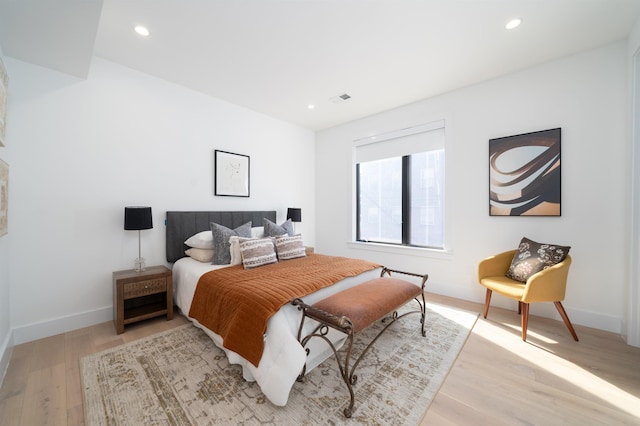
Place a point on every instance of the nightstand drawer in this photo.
(143, 288)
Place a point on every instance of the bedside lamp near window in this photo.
(137, 219)
(295, 215)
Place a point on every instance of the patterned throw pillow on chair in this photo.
(533, 257)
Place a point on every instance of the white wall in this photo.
(5, 308)
(585, 95)
(631, 327)
(84, 149)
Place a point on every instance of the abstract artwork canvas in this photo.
(524, 174)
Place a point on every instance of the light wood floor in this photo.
(497, 379)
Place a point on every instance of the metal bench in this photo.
(354, 309)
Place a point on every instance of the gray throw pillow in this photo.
(273, 230)
(221, 235)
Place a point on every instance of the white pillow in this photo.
(257, 232)
(234, 250)
(201, 255)
(201, 240)
(257, 252)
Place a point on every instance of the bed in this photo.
(282, 358)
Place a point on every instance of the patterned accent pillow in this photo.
(290, 247)
(257, 252)
(533, 257)
(273, 230)
(201, 255)
(221, 235)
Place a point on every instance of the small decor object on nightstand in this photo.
(137, 219)
(141, 295)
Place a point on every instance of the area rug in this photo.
(179, 377)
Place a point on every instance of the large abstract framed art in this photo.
(524, 174)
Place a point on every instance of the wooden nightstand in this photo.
(141, 295)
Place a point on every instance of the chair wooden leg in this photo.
(519, 307)
(525, 319)
(565, 318)
(487, 299)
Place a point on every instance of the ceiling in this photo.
(278, 56)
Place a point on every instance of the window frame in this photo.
(402, 247)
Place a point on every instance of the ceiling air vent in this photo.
(340, 98)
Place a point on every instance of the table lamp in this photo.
(295, 215)
(136, 219)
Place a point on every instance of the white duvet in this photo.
(283, 357)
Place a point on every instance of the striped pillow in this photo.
(290, 247)
(257, 253)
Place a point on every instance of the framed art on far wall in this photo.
(524, 174)
(231, 175)
(4, 198)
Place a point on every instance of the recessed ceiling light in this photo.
(142, 30)
(311, 106)
(514, 23)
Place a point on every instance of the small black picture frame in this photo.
(231, 174)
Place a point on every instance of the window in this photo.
(400, 187)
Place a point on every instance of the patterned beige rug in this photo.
(179, 377)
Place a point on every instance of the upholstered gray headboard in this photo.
(182, 225)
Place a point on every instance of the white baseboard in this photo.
(28, 333)
(591, 319)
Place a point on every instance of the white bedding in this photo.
(283, 357)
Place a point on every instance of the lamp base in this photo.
(140, 264)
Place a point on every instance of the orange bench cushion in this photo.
(369, 301)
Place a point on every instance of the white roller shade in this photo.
(427, 137)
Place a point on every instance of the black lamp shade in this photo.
(137, 218)
(294, 214)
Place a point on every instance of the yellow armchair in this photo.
(548, 285)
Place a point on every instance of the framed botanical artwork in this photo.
(231, 175)
(4, 87)
(4, 198)
(524, 174)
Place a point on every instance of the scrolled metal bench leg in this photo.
(423, 314)
(349, 378)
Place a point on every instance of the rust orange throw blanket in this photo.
(236, 303)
